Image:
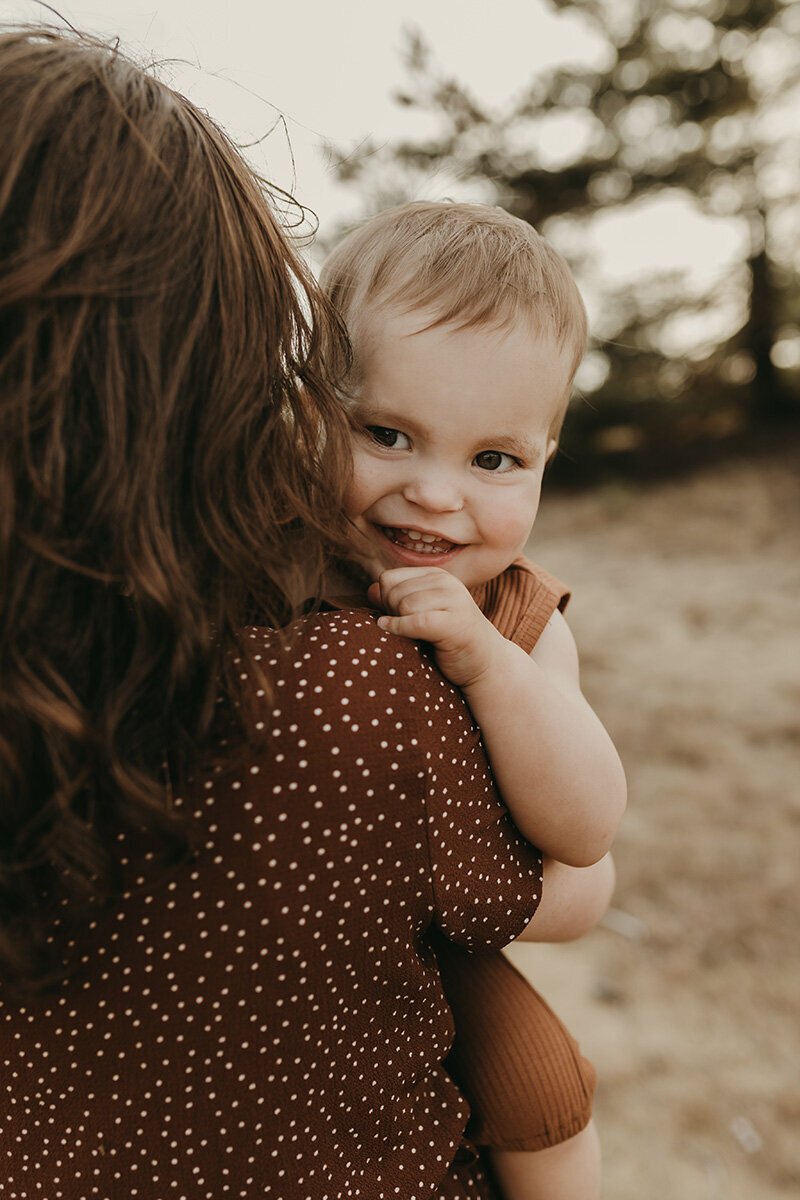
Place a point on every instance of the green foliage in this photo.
(687, 100)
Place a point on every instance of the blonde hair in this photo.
(470, 265)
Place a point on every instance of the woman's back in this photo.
(268, 1019)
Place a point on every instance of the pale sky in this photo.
(329, 67)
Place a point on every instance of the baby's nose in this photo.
(435, 492)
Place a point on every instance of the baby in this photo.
(467, 330)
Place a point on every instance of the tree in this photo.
(688, 99)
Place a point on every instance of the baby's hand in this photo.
(433, 606)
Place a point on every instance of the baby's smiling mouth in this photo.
(420, 543)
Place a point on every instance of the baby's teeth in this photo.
(416, 536)
(424, 541)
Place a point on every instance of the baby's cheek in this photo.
(510, 524)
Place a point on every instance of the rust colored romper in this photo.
(523, 1074)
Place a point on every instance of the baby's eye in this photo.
(495, 460)
(393, 439)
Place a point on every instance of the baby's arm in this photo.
(553, 761)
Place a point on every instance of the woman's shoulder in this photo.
(360, 717)
(332, 628)
(343, 650)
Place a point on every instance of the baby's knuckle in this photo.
(428, 622)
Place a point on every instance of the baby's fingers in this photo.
(429, 625)
(423, 589)
(423, 600)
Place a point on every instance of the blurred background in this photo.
(657, 145)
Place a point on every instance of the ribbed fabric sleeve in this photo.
(521, 601)
(527, 1083)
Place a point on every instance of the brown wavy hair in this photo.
(169, 440)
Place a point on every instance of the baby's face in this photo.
(453, 434)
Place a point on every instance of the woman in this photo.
(221, 847)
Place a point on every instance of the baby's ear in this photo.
(552, 446)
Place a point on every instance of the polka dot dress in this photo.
(268, 1021)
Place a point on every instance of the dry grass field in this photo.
(687, 615)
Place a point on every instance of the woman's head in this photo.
(168, 441)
